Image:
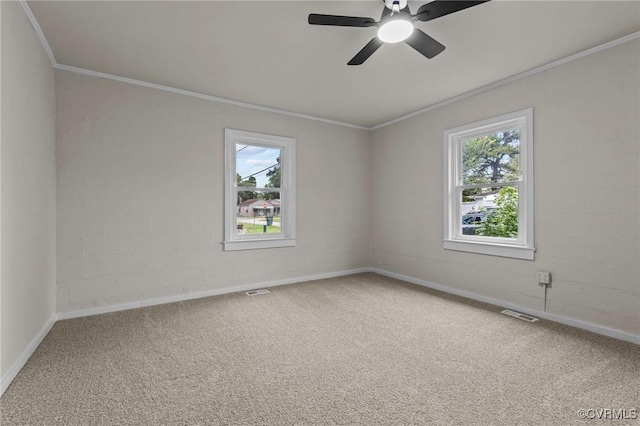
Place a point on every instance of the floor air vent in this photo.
(257, 292)
(518, 315)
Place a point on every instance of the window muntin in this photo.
(259, 191)
(489, 186)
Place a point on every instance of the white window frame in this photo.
(519, 248)
(287, 236)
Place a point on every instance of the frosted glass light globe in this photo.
(395, 31)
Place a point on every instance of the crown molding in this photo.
(203, 96)
(47, 48)
(515, 77)
(38, 30)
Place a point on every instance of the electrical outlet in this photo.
(543, 277)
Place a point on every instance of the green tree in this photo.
(274, 181)
(491, 158)
(274, 175)
(503, 221)
(249, 182)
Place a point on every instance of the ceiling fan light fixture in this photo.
(396, 25)
(395, 31)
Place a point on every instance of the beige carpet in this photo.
(363, 350)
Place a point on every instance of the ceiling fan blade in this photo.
(439, 8)
(366, 51)
(424, 44)
(341, 21)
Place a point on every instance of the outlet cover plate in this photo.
(543, 277)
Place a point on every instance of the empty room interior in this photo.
(320, 212)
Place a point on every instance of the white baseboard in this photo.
(24, 357)
(22, 360)
(617, 334)
(213, 292)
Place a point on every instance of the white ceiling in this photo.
(265, 53)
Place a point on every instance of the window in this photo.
(488, 195)
(259, 191)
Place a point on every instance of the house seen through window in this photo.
(260, 190)
(491, 160)
(258, 211)
(489, 193)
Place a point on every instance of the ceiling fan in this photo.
(397, 24)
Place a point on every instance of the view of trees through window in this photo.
(490, 175)
(257, 183)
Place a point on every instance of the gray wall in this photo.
(587, 232)
(140, 195)
(28, 186)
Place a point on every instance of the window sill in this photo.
(502, 250)
(258, 244)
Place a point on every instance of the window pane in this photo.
(491, 158)
(258, 214)
(257, 166)
(490, 212)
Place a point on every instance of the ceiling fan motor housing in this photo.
(395, 5)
